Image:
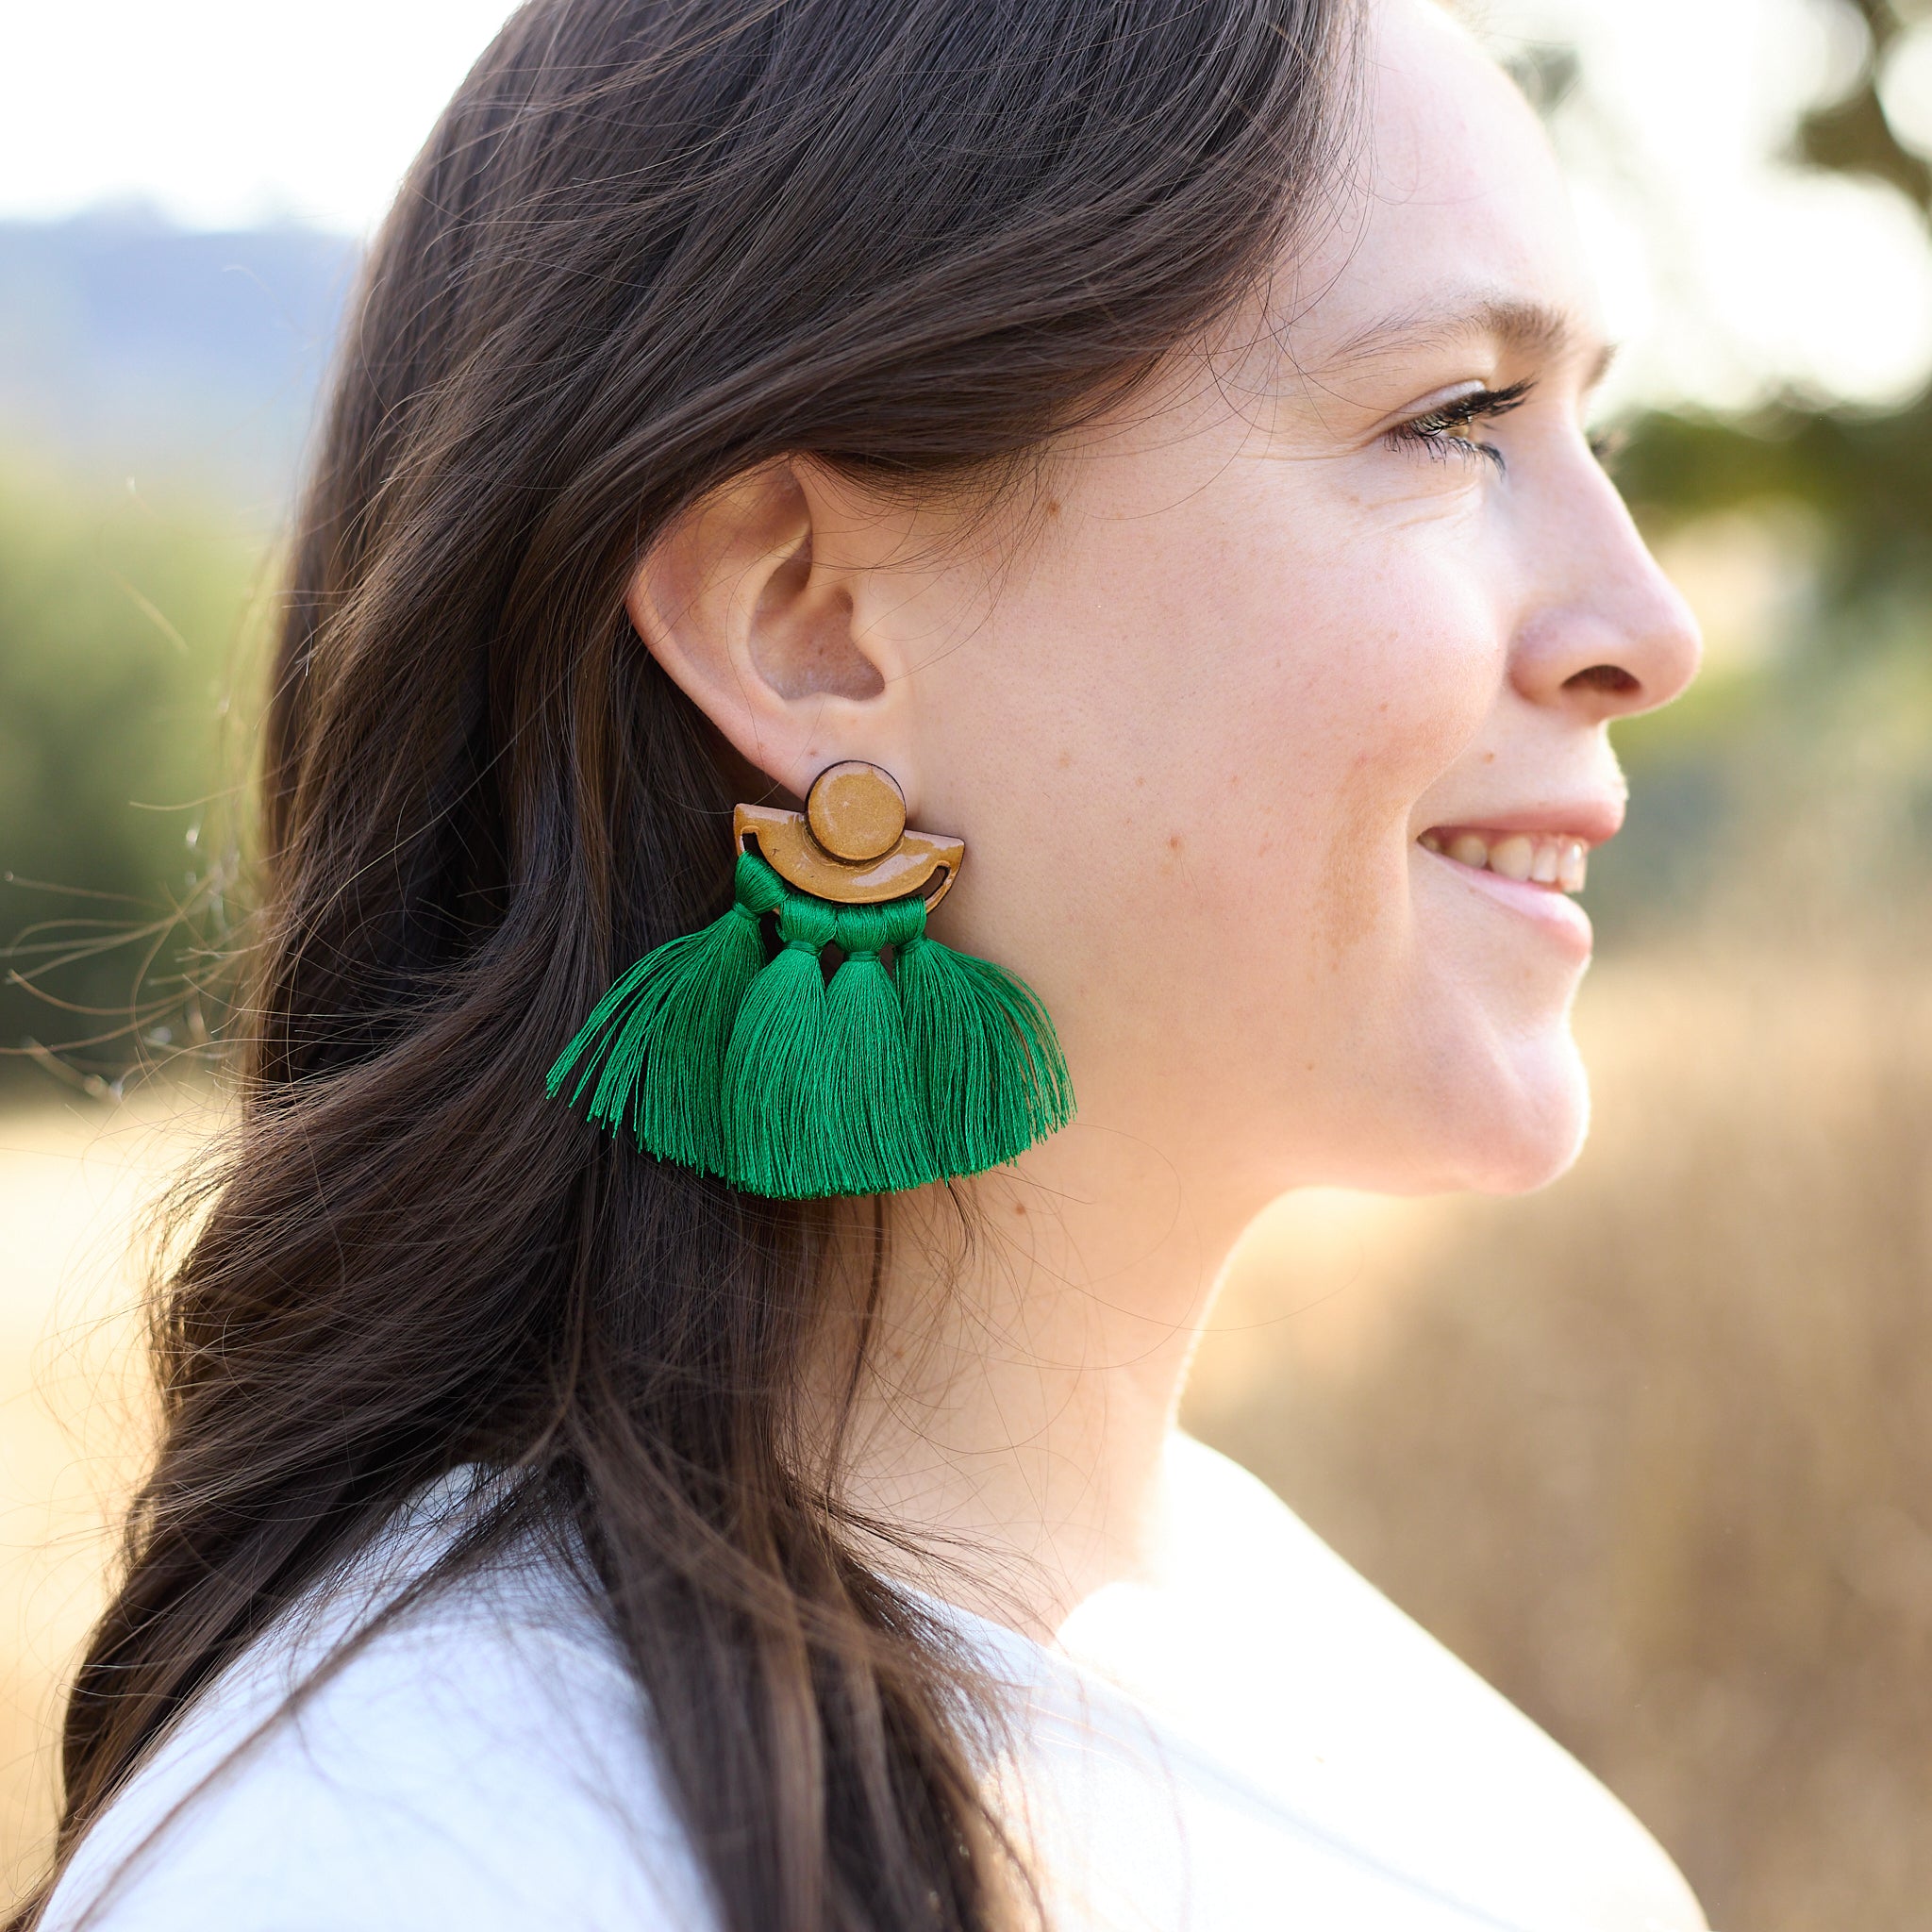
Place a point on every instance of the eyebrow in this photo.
(1534, 331)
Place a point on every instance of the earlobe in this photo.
(750, 606)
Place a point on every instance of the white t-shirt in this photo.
(1256, 1737)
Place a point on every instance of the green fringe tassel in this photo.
(656, 1041)
(877, 1142)
(756, 1071)
(776, 1097)
(996, 1080)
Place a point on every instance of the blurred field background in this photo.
(1653, 1449)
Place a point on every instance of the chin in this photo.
(1509, 1129)
(1527, 1131)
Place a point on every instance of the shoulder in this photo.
(1257, 1639)
(483, 1761)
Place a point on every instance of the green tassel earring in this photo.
(775, 1073)
(758, 1070)
(995, 1081)
(879, 1139)
(661, 1032)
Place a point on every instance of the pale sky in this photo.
(1725, 270)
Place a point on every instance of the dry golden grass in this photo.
(1653, 1449)
(73, 1417)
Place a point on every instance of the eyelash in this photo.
(1608, 445)
(1437, 432)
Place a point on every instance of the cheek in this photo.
(1206, 731)
(1260, 698)
(1388, 669)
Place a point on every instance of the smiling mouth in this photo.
(1536, 858)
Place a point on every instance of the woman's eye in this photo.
(1445, 434)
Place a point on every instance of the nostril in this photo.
(1609, 677)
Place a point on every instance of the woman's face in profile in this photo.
(1288, 634)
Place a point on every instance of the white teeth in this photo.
(1541, 859)
(1513, 857)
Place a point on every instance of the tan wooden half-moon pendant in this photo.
(850, 844)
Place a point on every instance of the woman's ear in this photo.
(749, 601)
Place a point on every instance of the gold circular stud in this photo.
(856, 811)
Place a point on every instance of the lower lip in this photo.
(1555, 912)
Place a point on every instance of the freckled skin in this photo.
(1310, 645)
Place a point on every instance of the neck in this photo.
(1027, 1348)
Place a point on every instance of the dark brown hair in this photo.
(652, 242)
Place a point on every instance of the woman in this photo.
(1151, 432)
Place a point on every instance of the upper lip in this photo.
(1594, 821)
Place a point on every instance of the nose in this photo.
(1608, 635)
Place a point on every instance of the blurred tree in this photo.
(1868, 477)
(1852, 135)
(1795, 796)
(118, 629)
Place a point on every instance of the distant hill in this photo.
(129, 347)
